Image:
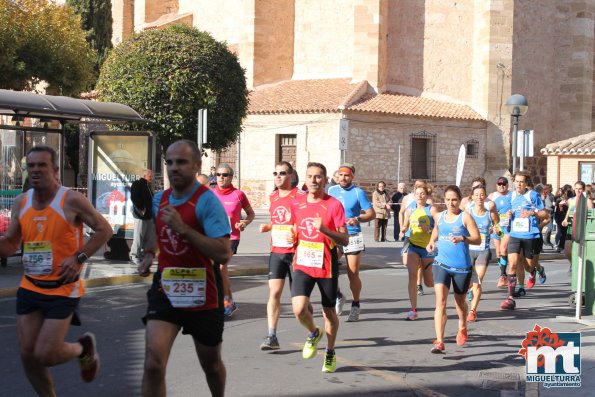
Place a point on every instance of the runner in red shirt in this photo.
(282, 248)
(319, 225)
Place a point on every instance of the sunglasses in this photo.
(282, 173)
(503, 184)
(224, 175)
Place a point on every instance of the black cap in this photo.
(502, 180)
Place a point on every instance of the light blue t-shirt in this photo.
(354, 201)
(209, 211)
(530, 201)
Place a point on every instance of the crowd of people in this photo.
(193, 229)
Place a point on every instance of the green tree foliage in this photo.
(167, 75)
(96, 20)
(43, 41)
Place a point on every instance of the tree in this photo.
(96, 20)
(167, 75)
(43, 41)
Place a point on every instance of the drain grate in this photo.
(500, 380)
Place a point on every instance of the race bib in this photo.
(479, 247)
(356, 243)
(520, 225)
(310, 254)
(185, 287)
(281, 235)
(37, 258)
(504, 220)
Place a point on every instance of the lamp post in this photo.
(517, 106)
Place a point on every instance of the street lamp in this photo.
(517, 106)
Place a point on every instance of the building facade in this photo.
(426, 77)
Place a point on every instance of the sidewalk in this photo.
(252, 259)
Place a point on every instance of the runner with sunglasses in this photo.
(234, 201)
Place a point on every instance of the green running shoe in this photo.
(330, 362)
(311, 345)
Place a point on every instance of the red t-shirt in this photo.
(313, 251)
(280, 211)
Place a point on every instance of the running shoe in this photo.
(330, 362)
(470, 295)
(462, 336)
(472, 316)
(508, 304)
(420, 290)
(411, 315)
(542, 277)
(531, 280)
(311, 344)
(270, 343)
(339, 303)
(229, 307)
(89, 361)
(520, 293)
(502, 282)
(438, 347)
(353, 314)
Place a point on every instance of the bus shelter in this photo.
(115, 158)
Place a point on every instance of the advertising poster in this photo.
(117, 161)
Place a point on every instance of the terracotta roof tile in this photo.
(305, 96)
(579, 145)
(392, 103)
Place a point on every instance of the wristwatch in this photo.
(81, 257)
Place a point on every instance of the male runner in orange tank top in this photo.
(48, 219)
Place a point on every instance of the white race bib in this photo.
(281, 235)
(310, 254)
(356, 243)
(185, 287)
(37, 258)
(479, 247)
(520, 225)
(504, 220)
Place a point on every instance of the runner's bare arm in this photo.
(11, 240)
(432, 244)
(339, 236)
(368, 215)
(249, 218)
(78, 209)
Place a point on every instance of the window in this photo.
(587, 172)
(287, 148)
(472, 149)
(423, 155)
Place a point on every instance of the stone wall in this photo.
(323, 39)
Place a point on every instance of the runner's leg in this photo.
(160, 337)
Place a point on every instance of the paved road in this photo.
(382, 355)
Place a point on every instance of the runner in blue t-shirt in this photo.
(501, 197)
(354, 201)
(525, 215)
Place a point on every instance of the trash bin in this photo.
(589, 271)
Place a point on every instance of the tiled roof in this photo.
(578, 145)
(392, 103)
(305, 96)
(333, 95)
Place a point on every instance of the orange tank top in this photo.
(48, 238)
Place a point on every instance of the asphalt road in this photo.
(382, 355)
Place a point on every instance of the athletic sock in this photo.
(355, 303)
(272, 332)
(313, 334)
